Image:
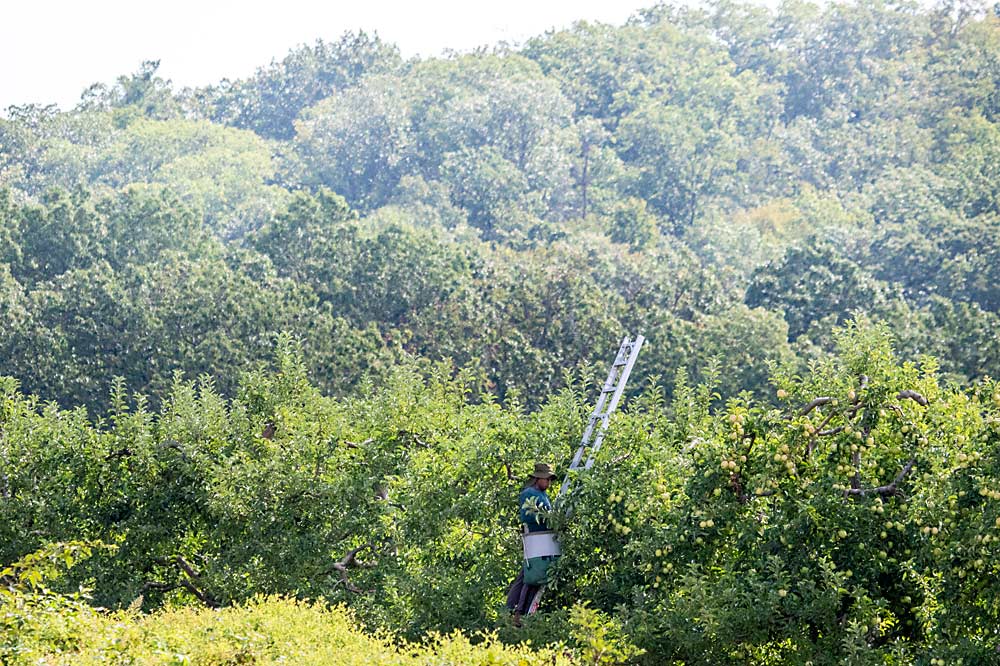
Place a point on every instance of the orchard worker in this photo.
(533, 508)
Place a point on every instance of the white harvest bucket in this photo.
(540, 544)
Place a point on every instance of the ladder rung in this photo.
(623, 355)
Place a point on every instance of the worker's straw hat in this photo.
(543, 471)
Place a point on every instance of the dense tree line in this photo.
(733, 181)
(851, 517)
(445, 253)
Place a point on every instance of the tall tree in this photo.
(270, 101)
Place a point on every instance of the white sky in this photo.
(51, 50)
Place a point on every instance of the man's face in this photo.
(543, 484)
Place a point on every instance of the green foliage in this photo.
(599, 640)
(633, 225)
(269, 102)
(810, 282)
(221, 172)
(849, 520)
(800, 533)
(34, 569)
(356, 143)
(441, 249)
(141, 94)
(265, 630)
(33, 618)
(736, 160)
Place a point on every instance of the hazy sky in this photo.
(51, 50)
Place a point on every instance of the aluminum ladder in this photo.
(607, 402)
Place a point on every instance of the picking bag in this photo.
(536, 570)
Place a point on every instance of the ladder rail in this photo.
(619, 391)
(596, 414)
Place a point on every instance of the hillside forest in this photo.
(287, 347)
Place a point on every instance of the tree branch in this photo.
(5, 491)
(621, 458)
(192, 578)
(351, 560)
(856, 478)
(123, 452)
(745, 498)
(811, 446)
(914, 396)
(885, 491)
(191, 582)
(816, 402)
(176, 446)
(155, 585)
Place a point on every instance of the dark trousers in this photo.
(520, 596)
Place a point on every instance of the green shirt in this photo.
(533, 504)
